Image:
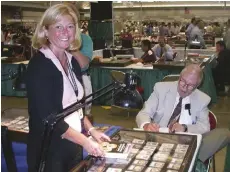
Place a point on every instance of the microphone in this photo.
(188, 107)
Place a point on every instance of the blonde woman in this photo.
(53, 83)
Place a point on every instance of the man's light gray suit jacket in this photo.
(161, 102)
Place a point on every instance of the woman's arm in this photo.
(91, 146)
(82, 60)
(85, 54)
(87, 123)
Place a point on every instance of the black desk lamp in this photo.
(51, 121)
(128, 97)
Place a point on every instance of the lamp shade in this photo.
(129, 97)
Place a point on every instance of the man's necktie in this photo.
(176, 111)
(162, 51)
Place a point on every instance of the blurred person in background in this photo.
(162, 50)
(163, 30)
(217, 31)
(190, 27)
(227, 35)
(84, 57)
(148, 56)
(209, 28)
(197, 34)
(221, 70)
(175, 29)
(170, 30)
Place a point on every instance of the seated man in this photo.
(148, 55)
(162, 50)
(221, 71)
(181, 107)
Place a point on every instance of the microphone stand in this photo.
(185, 52)
(52, 120)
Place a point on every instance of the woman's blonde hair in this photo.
(50, 17)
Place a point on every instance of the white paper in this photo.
(164, 130)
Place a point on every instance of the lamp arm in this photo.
(92, 94)
(53, 119)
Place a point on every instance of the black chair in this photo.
(8, 150)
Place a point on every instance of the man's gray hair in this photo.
(195, 70)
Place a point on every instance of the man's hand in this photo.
(151, 127)
(162, 58)
(176, 127)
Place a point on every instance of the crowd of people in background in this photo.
(152, 30)
(137, 31)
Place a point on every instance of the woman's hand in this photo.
(99, 136)
(93, 148)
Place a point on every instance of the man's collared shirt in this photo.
(189, 30)
(168, 54)
(196, 33)
(185, 118)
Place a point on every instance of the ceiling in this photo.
(118, 4)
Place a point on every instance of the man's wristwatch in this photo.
(185, 127)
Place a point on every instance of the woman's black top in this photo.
(45, 91)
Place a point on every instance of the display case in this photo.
(151, 152)
(16, 120)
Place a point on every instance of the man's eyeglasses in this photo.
(183, 84)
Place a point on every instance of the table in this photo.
(100, 76)
(180, 52)
(112, 63)
(142, 138)
(171, 65)
(12, 60)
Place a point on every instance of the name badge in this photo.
(80, 112)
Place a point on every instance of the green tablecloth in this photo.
(101, 77)
(6, 83)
